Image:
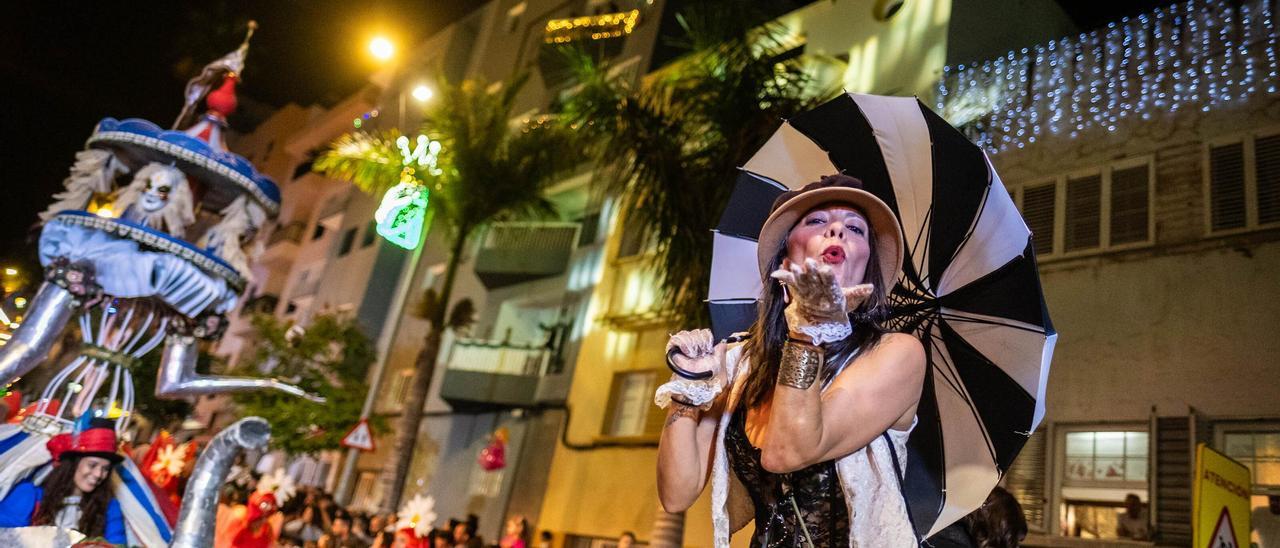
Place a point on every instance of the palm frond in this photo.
(671, 145)
(370, 161)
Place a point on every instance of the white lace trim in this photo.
(700, 393)
(822, 333)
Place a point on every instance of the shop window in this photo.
(1099, 469)
(1257, 446)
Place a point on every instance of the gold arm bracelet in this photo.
(800, 364)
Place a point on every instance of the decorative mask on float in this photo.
(160, 198)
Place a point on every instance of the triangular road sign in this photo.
(1224, 535)
(360, 437)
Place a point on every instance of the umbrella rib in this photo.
(970, 319)
(925, 230)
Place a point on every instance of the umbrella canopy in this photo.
(969, 288)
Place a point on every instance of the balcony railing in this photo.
(1193, 55)
(514, 253)
(489, 374)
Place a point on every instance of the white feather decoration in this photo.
(418, 514)
(94, 172)
(242, 219)
(278, 483)
(178, 211)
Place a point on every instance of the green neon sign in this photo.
(402, 215)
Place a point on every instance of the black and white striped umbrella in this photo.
(969, 286)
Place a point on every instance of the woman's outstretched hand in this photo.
(818, 308)
(697, 354)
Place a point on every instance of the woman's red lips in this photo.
(833, 255)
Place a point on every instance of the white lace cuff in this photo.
(822, 333)
(700, 393)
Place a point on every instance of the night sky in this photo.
(66, 64)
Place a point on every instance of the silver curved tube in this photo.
(178, 379)
(29, 345)
(200, 500)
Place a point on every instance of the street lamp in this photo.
(422, 93)
(381, 48)
(10, 271)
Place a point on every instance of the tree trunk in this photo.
(668, 529)
(395, 475)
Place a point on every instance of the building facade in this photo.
(1145, 158)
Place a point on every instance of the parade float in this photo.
(148, 245)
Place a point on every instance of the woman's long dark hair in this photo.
(61, 484)
(767, 335)
(999, 522)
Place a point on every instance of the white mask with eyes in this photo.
(156, 196)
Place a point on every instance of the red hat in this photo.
(94, 442)
(261, 504)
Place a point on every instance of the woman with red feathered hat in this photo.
(75, 494)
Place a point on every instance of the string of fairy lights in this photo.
(1196, 54)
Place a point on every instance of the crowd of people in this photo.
(312, 519)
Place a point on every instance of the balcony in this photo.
(282, 247)
(515, 253)
(600, 36)
(489, 374)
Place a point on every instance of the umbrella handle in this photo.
(701, 375)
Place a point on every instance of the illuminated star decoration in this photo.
(418, 514)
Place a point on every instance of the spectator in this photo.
(307, 527)
(339, 535)
(360, 528)
(383, 539)
(517, 533)
(544, 539)
(464, 533)
(627, 540)
(1132, 524)
(998, 523)
(377, 524)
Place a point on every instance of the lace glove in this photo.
(697, 352)
(818, 308)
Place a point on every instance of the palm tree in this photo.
(490, 170)
(671, 145)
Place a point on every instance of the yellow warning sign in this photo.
(1220, 501)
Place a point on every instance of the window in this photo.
(1097, 469)
(370, 234)
(1106, 458)
(631, 409)
(1242, 183)
(348, 240)
(634, 240)
(590, 228)
(1091, 211)
(1257, 446)
(368, 492)
(1025, 480)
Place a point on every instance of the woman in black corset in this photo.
(809, 438)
